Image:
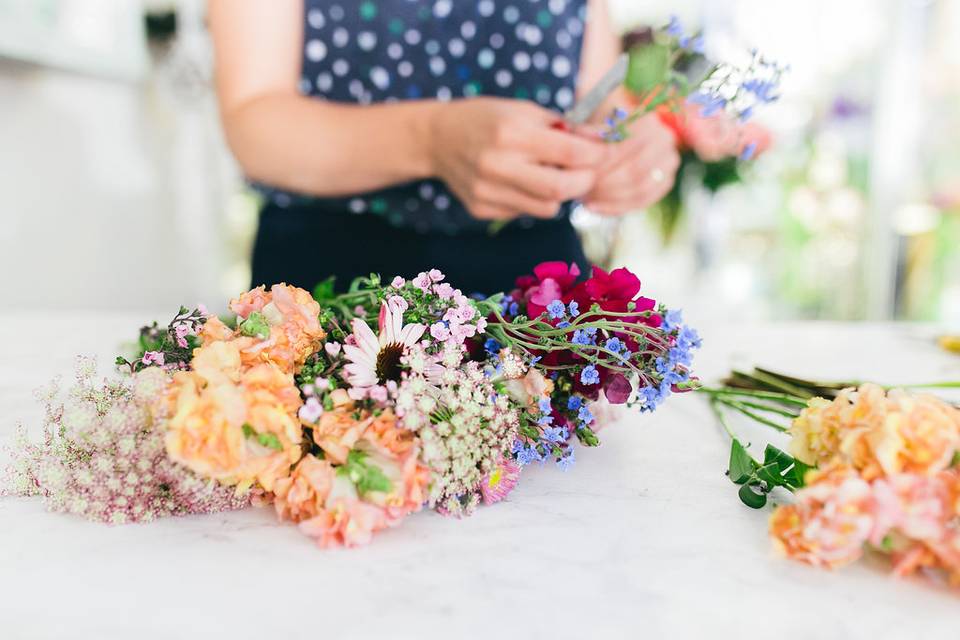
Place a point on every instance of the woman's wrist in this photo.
(424, 128)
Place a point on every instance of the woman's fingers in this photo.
(505, 197)
(543, 183)
(563, 149)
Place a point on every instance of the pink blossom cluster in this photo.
(103, 457)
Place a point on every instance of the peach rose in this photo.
(293, 317)
(234, 425)
(327, 503)
(877, 432)
(920, 434)
(830, 522)
(345, 520)
(303, 494)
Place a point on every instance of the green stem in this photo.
(932, 385)
(722, 419)
(745, 410)
(776, 383)
(761, 395)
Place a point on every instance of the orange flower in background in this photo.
(715, 137)
(337, 432)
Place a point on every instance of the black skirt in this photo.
(303, 245)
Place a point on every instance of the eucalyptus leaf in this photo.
(649, 68)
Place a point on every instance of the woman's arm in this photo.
(293, 142)
(642, 169)
(500, 157)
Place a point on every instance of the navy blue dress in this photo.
(388, 50)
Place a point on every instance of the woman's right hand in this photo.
(502, 158)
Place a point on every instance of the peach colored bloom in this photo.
(345, 520)
(214, 330)
(920, 434)
(715, 137)
(328, 505)
(337, 432)
(830, 522)
(529, 389)
(877, 432)
(303, 494)
(293, 317)
(234, 425)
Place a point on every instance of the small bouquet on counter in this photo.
(872, 468)
(349, 412)
(711, 122)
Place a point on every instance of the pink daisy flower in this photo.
(500, 481)
(374, 360)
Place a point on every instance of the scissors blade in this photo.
(588, 104)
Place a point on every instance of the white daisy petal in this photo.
(411, 334)
(359, 356)
(365, 337)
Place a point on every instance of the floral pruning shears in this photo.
(588, 104)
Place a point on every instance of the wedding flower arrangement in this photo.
(349, 412)
(873, 469)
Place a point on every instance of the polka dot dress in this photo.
(372, 51)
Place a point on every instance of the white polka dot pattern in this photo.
(368, 51)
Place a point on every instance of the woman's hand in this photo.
(640, 172)
(502, 158)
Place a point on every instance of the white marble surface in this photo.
(645, 537)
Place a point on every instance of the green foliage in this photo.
(325, 290)
(255, 326)
(163, 340)
(587, 437)
(367, 477)
(757, 479)
(649, 68)
(269, 440)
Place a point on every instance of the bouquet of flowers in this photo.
(350, 412)
(873, 469)
(712, 127)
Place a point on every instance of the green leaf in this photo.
(770, 473)
(752, 496)
(588, 437)
(255, 326)
(649, 68)
(741, 464)
(324, 290)
(797, 476)
(368, 478)
(783, 460)
(269, 440)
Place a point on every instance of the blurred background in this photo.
(120, 194)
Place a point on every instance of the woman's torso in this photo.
(388, 50)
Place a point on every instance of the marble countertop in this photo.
(644, 537)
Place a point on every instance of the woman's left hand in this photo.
(641, 170)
